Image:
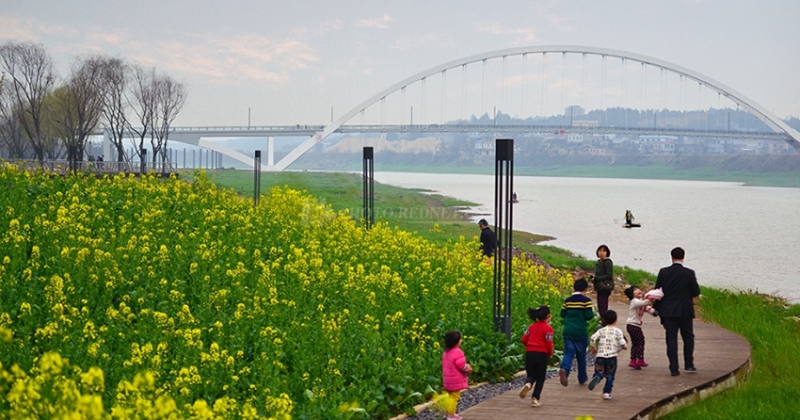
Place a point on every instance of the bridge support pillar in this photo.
(271, 151)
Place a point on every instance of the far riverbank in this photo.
(755, 170)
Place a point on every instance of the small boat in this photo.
(632, 225)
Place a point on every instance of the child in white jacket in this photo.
(634, 325)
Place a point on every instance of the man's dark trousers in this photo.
(672, 326)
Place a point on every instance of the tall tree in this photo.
(115, 103)
(12, 143)
(143, 103)
(80, 101)
(31, 78)
(170, 97)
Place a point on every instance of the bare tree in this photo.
(143, 104)
(170, 97)
(115, 106)
(79, 102)
(11, 139)
(31, 78)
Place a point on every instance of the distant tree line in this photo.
(42, 115)
(724, 119)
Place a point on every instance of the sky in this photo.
(298, 62)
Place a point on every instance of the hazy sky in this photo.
(291, 61)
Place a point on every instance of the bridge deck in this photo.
(721, 357)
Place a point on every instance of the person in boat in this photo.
(628, 218)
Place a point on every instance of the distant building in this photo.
(574, 138)
(657, 144)
(585, 124)
(574, 111)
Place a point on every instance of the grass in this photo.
(770, 325)
(773, 330)
(432, 216)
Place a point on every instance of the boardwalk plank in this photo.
(718, 353)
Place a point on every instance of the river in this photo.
(735, 237)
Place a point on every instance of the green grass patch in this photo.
(432, 216)
(773, 330)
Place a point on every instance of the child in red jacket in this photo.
(538, 340)
(454, 371)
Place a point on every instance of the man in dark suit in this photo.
(676, 309)
(488, 238)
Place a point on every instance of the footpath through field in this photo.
(722, 359)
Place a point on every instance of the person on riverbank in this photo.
(637, 308)
(603, 281)
(538, 340)
(454, 371)
(606, 344)
(488, 238)
(576, 311)
(676, 309)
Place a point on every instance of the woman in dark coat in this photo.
(603, 270)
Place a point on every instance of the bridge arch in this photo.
(757, 110)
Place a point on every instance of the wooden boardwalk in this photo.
(722, 359)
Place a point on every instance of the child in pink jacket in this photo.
(454, 370)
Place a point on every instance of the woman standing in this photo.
(603, 278)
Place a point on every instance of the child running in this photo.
(634, 325)
(606, 344)
(538, 341)
(576, 311)
(454, 371)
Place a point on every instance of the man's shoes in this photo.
(562, 377)
(524, 391)
(634, 364)
(674, 373)
(691, 369)
(593, 383)
(535, 403)
(607, 396)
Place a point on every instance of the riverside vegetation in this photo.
(123, 297)
(131, 298)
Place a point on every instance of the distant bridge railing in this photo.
(558, 129)
(301, 130)
(64, 166)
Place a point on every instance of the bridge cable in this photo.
(603, 94)
(524, 114)
(402, 106)
(623, 95)
(502, 87)
(444, 95)
(422, 111)
(583, 81)
(544, 80)
(463, 92)
(661, 94)
(563, 77)
(483, 88)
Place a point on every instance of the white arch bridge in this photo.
(197, 136)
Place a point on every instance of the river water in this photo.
(735, 237)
